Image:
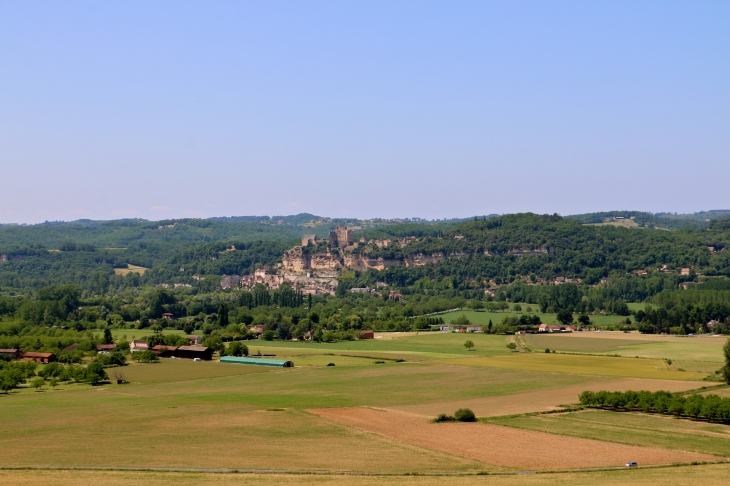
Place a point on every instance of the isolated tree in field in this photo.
(53, 383)
(156, 328)
(108, 339)
(38, 383)
(726, 368)
(511, 346)
(489, 326)
(584, 320)
(565, 317)
(468, 345)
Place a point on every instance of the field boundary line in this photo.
(325, 472)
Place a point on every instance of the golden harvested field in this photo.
(581, 364)
(706, 475)
(502, 447)
(130, 269)
(543, 400)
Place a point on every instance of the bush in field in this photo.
(464, 415)
(511, 346)
(146, 356)
(469, 345)
(442, 417)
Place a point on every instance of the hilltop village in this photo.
(313, 267)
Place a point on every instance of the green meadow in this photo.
(630, 428)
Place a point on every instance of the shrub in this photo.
(465, 415)
(442, 417)
(146, 356)
(512, 346)
(547, 350)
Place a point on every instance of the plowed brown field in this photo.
(543, 400)
(503, 446)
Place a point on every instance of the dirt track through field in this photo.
(542, 400)
(503, 446)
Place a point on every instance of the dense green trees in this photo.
(709, 407)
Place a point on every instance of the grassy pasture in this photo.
(630, 428)
(580, 364)
(713, 474)
(224, 421)
(483, 318)
(560, 342)
(130, 269)
(129, 334)
(425, 345)
(175, 370)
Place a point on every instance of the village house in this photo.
(137, 345)
(395, 296)
(641, 272)
(71, 347)
(258, 329)
(684, 271)
(39, 357)
(12, 353)
(105, 348)
(307, 239)
(195, 340)
(229, 282)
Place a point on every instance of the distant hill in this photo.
(701, 219)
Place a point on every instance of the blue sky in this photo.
(364, 109)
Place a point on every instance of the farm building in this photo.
(105, 348)
(72, 347)
(192, 352)
(11, 353)
(367, 334)
(164, 351)
(39, 357)
(257, 361)
(195, 340)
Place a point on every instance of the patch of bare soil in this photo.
(543, 400)
(503, 446)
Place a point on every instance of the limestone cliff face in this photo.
(364, 262)
(324, 261)
(296, 261)
(419, 259)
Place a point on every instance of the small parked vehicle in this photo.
(631, 464)
(196, 359)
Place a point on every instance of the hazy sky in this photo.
(364, 109)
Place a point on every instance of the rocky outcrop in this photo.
(296, 261)
(419, 259)
(364, 262)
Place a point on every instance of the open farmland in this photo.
(492, 444)
(711, 474)
(581, 364)
(482, 318)
(130, 268)
(631, 428)
(359, 415)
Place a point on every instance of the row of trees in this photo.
(709, 407)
